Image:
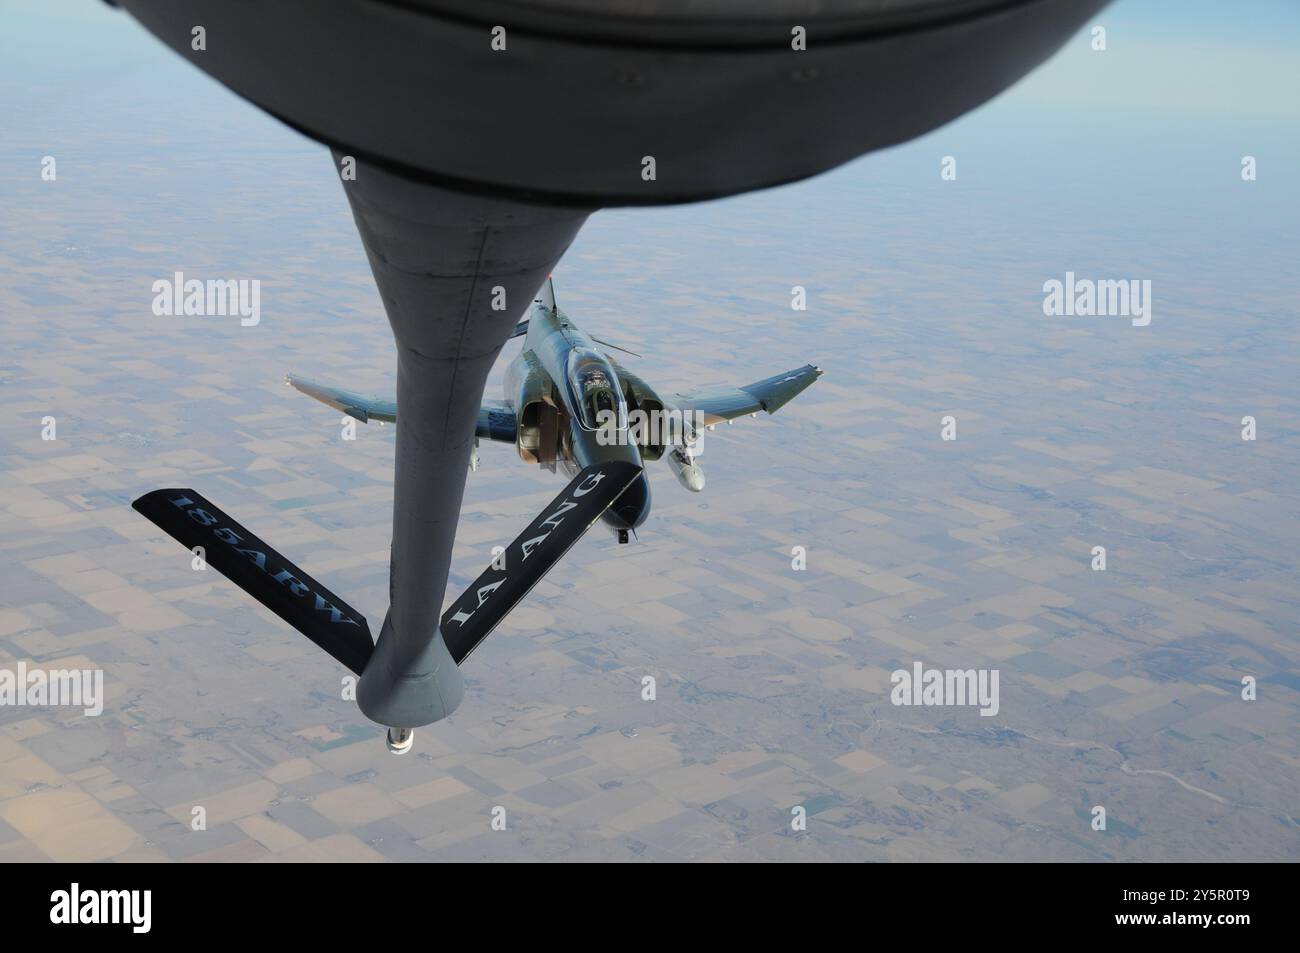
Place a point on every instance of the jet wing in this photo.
(496, 421)
(362, 407)
(727, 403)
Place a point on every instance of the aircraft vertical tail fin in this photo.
(546, 298)
(546, 294)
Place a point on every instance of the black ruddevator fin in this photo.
(260, 571)
(473, 616)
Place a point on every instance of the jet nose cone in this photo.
(632, 507)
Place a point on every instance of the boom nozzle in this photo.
(400, 740)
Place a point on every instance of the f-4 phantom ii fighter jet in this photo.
(569, 405)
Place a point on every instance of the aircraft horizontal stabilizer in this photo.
(473, 616)
(260, 571)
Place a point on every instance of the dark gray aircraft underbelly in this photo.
(582, 92)
(477, 167)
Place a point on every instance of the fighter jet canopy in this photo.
(593, 389)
